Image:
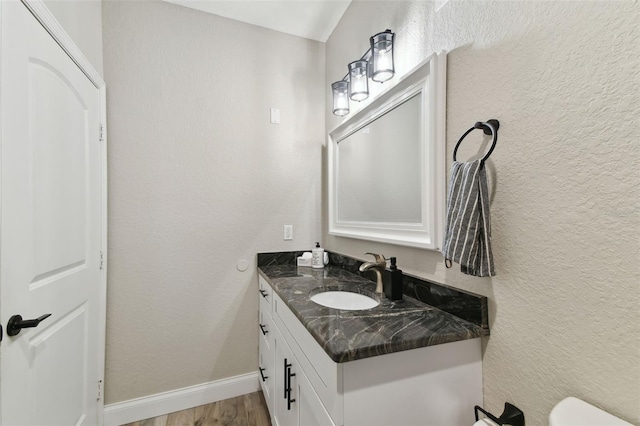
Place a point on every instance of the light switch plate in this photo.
(275, 115)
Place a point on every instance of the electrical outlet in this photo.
(288, 232)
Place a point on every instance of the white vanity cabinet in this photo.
(434, 385)
(290, 397)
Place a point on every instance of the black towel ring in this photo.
(490, 127)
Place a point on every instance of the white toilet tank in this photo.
(575, 412)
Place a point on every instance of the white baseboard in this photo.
(179, 399)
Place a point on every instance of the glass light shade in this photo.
(340, 97)
(359, 80)
(382, 56)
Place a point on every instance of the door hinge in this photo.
(99, 390)
(101, 260)
(101, 133)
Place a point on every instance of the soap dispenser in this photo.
(393, 281)
(317, 257)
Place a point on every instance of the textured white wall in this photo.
(199, 179)
(562, 78)
(82, 20)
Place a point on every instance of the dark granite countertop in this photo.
(392, 326)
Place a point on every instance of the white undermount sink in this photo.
(344, 300)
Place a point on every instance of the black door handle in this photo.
(16, 323)
(264, 293)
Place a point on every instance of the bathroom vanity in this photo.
(415, 361)
(401, 362)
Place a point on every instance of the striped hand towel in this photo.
(467, 236)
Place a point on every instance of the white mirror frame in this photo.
(429, 80)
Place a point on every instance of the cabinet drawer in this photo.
(323, 373)
(266, 294)
(265, 328)
(267, 373)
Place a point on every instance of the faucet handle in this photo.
(379, 258)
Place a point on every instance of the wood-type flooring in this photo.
(244, 410)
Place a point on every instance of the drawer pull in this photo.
(286, 387)
(289, 376)
(264, 378)
(264, 332)
(264, 293)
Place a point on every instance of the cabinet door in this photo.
(296, 403)
(286, 383)
(323, 373)
(311, 410)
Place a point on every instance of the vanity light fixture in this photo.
(382, 56)
(376, 63)
(340, 97)
(359, 80)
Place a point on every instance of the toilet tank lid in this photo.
(575, 412)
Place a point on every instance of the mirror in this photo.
(386, 163)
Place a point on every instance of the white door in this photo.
(50, 229)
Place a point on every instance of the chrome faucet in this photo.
(378, 266)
